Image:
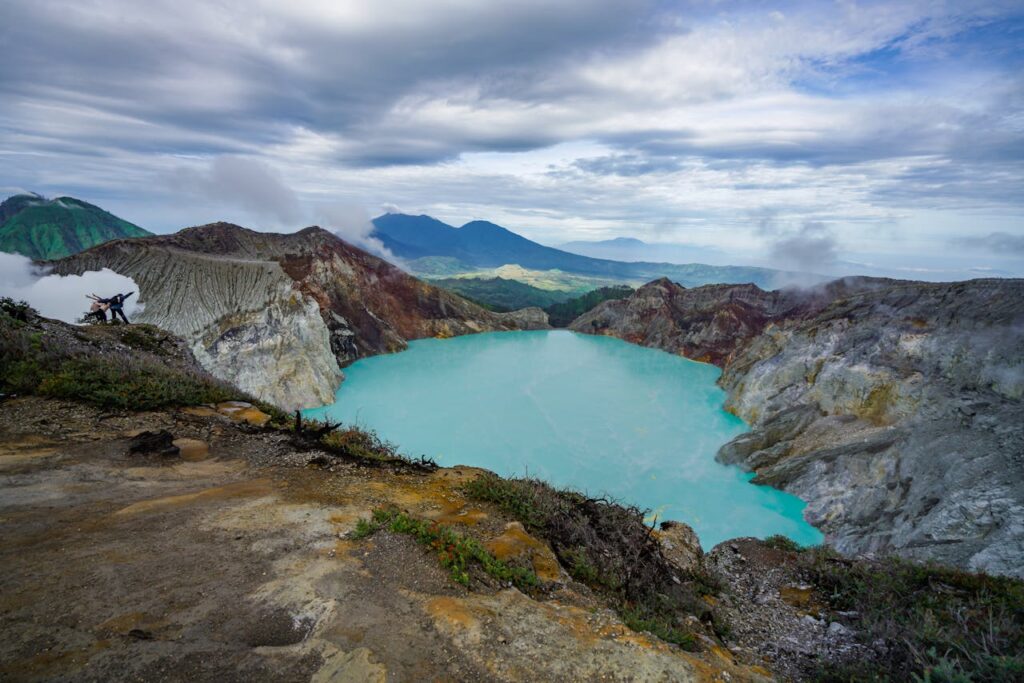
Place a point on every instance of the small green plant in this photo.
(455, 551)
(659, 626)
(579, 568)
(364, 529)
(780, 542)
(353, 442)
(359, 443)
(130, 384)
(938, 624)
(144, 338)
(16, 310)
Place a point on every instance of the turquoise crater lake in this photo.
(593, 413)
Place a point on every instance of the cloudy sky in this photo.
(881, 134)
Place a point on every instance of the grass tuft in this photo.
(457, 553)
(931, 623)
(351, 442)
(780, 542)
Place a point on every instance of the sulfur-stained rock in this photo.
(516, 544)
(240, 411)
(680, 545)
(192, 450)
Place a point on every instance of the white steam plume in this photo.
(352, 224)
(62, 296)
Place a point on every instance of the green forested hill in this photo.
(561, 314)
(50, 229)
(499, 294)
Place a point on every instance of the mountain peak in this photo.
(483, 244)
(662, 283)
(484, 225)
(43, 228)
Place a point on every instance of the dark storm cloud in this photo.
(185, 66)
(225, 81)
(229, 78)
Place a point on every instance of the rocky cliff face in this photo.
(893, 408)
(279, 315)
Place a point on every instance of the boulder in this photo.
(154, 443)
(680, 545)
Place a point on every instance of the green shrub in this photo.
(34, 360)
(143, 337)
(657, 624)
(780, 542)
(455, 551)
(16, 310)
(364, 529)
(359, 443)
(352, 442)
(131, 384)
(608, 547)
(580, 568)
(937, 623)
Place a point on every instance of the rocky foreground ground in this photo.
(159, 524)
(233, 560)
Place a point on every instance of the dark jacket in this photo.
(117, 301)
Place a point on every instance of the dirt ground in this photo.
(232, 562)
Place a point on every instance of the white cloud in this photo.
(352, 223)
(62, 297)
(247, 184)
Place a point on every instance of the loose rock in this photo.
(154, 443)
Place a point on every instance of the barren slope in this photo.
(279, 315)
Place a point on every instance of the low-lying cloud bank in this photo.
(62, 296)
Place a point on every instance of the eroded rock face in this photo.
(280, 315)
(894, 408)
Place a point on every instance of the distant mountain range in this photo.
(481, 244)
(42, 228)
(632, 249)
(48, 229)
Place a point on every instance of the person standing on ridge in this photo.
(97, 309)
(117, 306)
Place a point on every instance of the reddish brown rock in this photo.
(279, 315)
